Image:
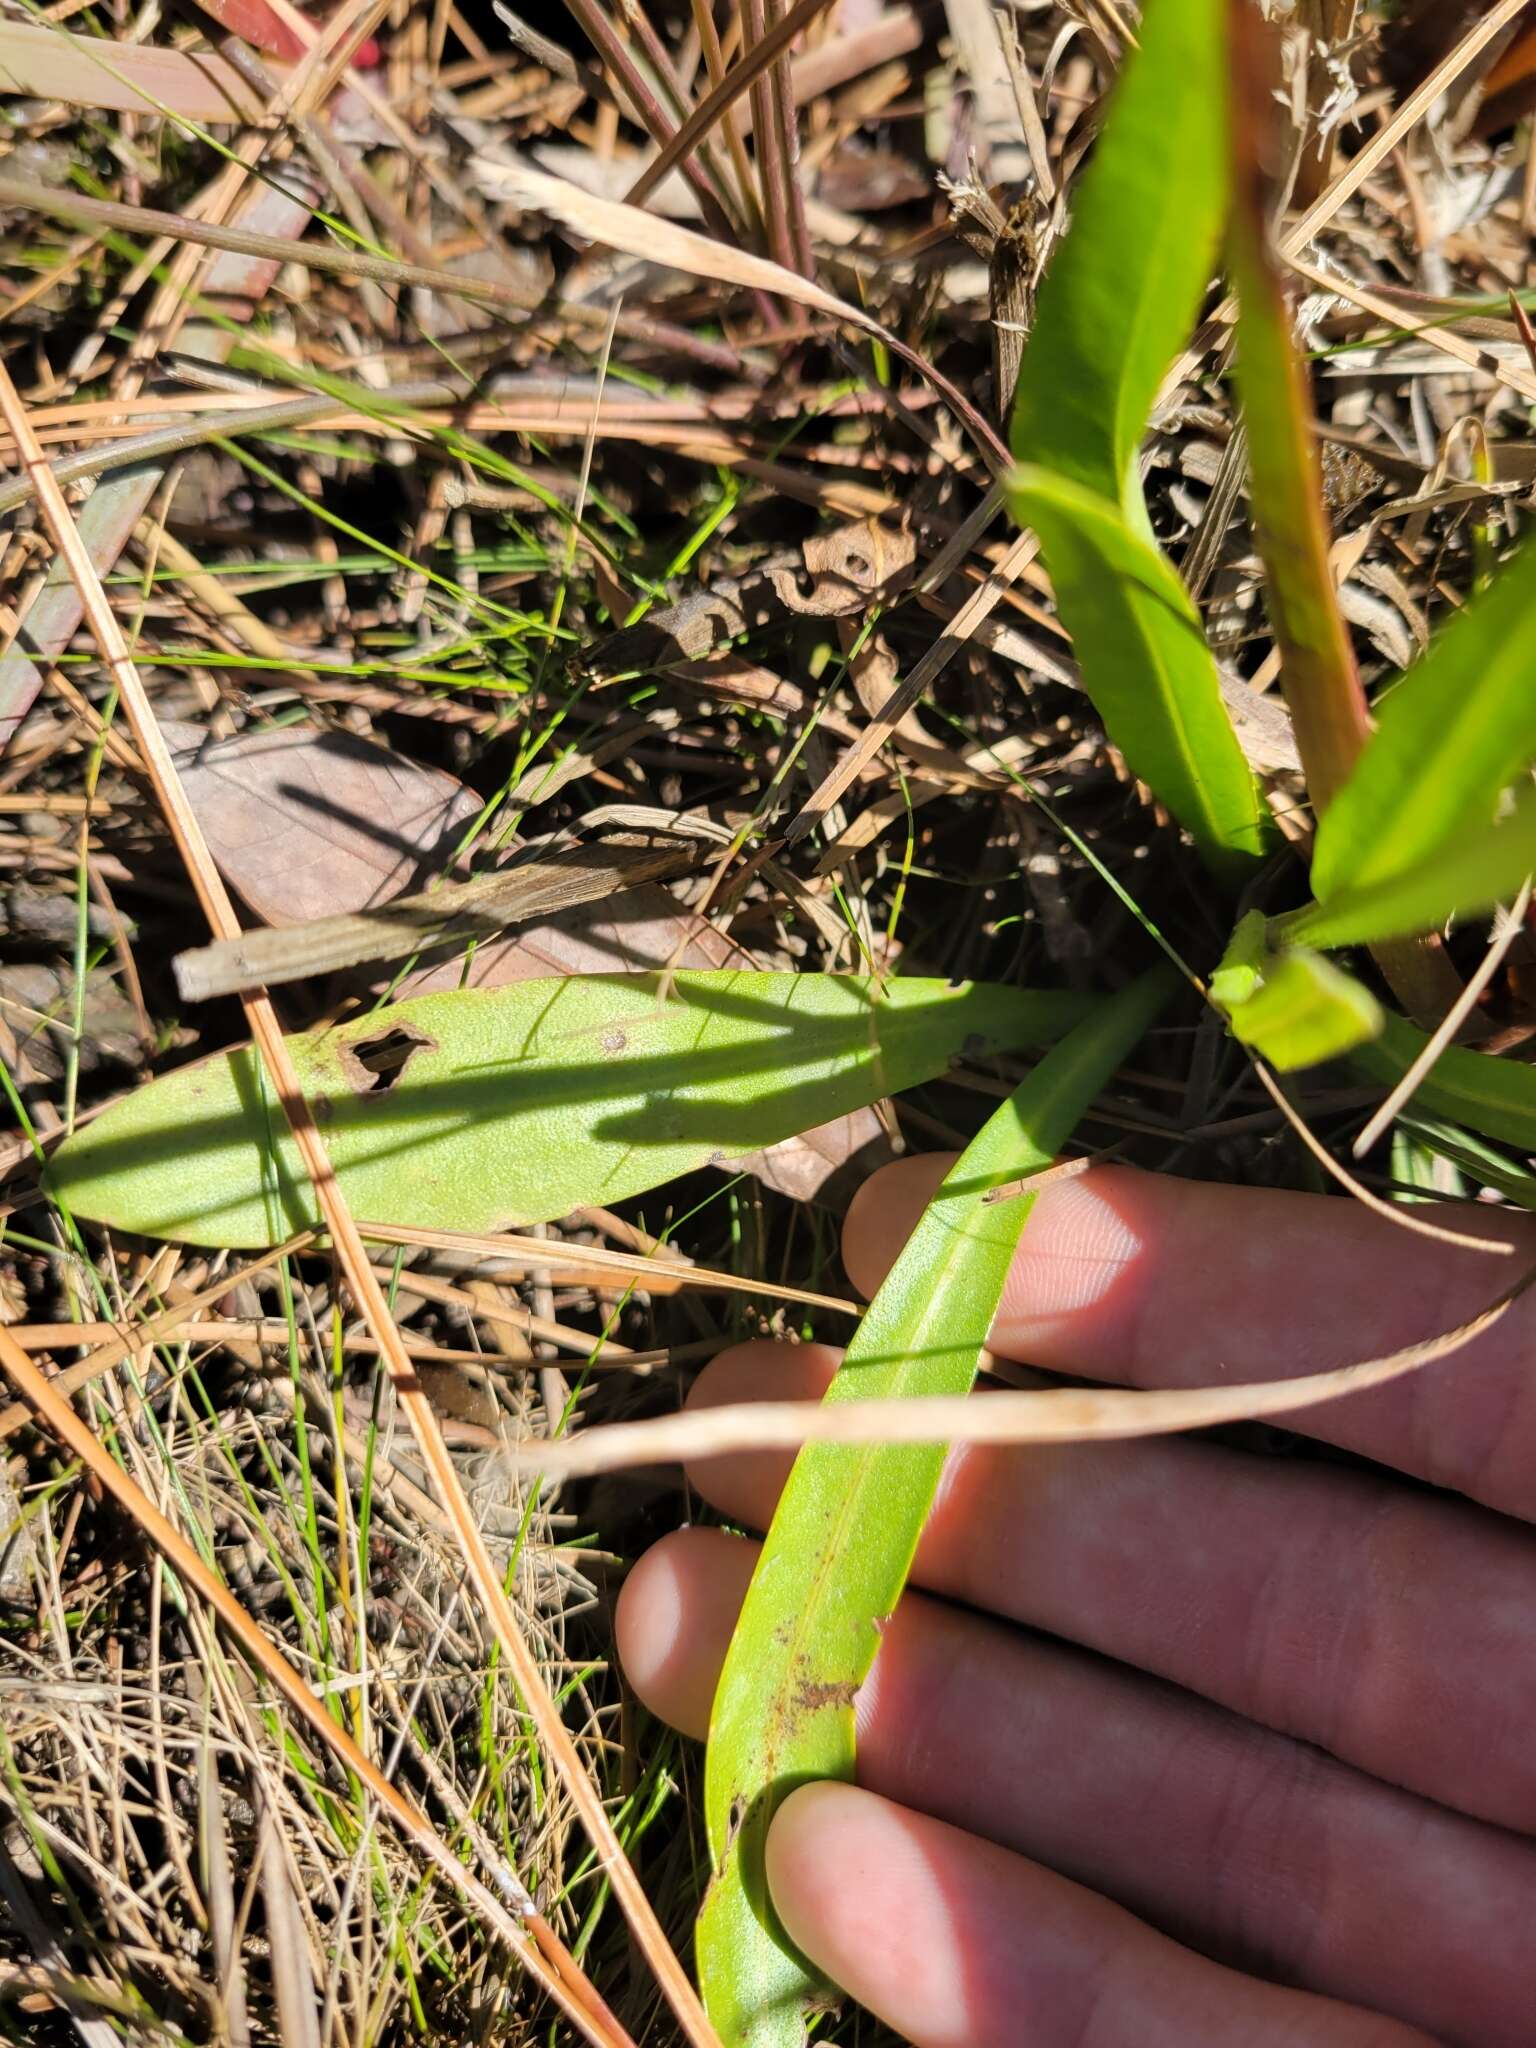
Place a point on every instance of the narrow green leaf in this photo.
(1472, 873)
(1452, 736)
(1494, 1096)
(1119, 299)
(489, 1109)
(1122, 292)
(1472, 1157)
(847, 1525)
(1145, 664)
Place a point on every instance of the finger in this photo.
(1392, 1627)
(958, 1944)
(1253, 1847)
(1155, 1282)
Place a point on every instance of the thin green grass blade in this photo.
(1123, 289)
(1145, 663)
(1471, 873)
(1494, 1096)
(843, 1537)
(1452, 736)
(490, 1109)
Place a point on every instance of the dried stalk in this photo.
(457, 910)
(1049, 1415)
(716, 105)
(604, 39)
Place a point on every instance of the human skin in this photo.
(1177, 1743)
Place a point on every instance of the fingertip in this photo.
(884, 1212)
(860, 1893)
(747, 1484)
(1079, 1262)
(674, 1618)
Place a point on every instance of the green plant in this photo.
(1118, 300)
(484, 1110)
(1417, 824)
(848, 1522)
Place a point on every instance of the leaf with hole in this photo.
(484, 1110)
(1452, 736)
(848, 1522)
(1145, 664)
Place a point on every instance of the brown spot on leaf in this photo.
(813, 1694)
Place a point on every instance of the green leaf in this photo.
(847, 1525)
(1494, 1096)
(1299, 1008)
(1453, 735)
(1123, 290)
(1118, 301)
(1477, 870)
(1241, 972)
(1471, 1157)
(1145, 664)
(489, 1109)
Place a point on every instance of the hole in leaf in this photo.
(374, 1065)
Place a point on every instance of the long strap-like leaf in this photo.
(843, 1538)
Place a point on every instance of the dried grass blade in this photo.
(364, 1285)
(1051, 1415)
(456, 910)
(1401, 320)
(339, 262)
(977, 608)
(1360, 167)
(630, 1266)
(122, 77)
(742, 75)
(49, 1406)
(614, 52)
(626, 228)
(138, 1337)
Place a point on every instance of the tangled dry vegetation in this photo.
(380, 530)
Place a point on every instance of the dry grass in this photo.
(410, 496)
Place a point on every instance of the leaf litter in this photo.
(394, 596)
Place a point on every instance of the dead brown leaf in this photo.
(307, 823)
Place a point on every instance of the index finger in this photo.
(1143, 1280)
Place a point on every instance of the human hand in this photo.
(1177, 1744)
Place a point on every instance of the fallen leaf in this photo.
(37, 1004)
(307, 823)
